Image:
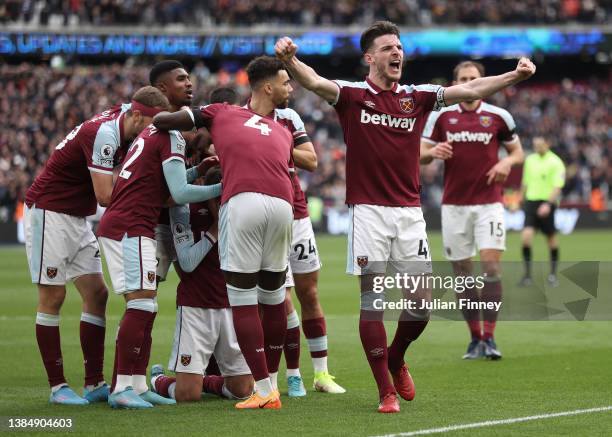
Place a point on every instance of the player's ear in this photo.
(268, 88)
(367, 56)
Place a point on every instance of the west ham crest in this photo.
(485, 121)
(406, 104)
(185, 360)
(51, 272)
(151, 276)
(362, 261)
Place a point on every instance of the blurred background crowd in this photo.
(40, 104)
(312, 12)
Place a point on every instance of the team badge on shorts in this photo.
(406, 104)
(151, 276)
(51, 272)
(362, 261)
(485, 120)
(185, 360)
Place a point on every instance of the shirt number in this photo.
(69, 137)
(139, 144)
(253, 122)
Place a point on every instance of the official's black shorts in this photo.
(544, 224)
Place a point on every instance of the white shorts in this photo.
(466, 227)
(379, 234)
(201, 332)
(165, 252)
(304, 254)
(131, 263)
(254, 233)
(59, 247)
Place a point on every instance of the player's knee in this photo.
(462, 267)
(189, 393)
(99, 297)
(308, 296)
(240, 387)
(51, 298)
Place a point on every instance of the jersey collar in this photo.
(247, 105)
(478, 109)
(376, 89)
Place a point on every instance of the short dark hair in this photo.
(477, 65)
(262, 68)
(213, 175)
(377, 29)
(223, 94)
(162, 68)
(151, 96)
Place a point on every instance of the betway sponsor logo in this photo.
(388, 120)
(469, 137)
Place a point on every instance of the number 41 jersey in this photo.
(141, 190)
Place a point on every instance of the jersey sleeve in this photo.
(172, 146)
(297, 128)
(430, 97)
(188, 253)
(559, 174)
(204, 115)
(105, 145)
(507, 131)
(433, 132)
(345, 95)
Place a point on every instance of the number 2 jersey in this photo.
(254, 151)
(65, 185)
(141, 189)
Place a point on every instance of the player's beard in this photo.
(283, 104)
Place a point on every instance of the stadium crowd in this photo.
(319, 12)
(39, 105)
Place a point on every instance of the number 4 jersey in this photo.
(141, 189)
(65, 185)
(254, 151)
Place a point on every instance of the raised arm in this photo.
(286, 50)
(180, 120)
(483, 87)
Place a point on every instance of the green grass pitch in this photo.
(548, 367)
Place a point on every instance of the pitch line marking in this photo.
(498, 422)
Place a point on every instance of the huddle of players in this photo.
(382, 123)
(154, 170)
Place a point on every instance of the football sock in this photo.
(471, 316)
(527, 260)
(554, 260)
(407, 331)
(294, 372)
(264, 387)
(274, 322)
(142, 363)
(292, 341)
(374, 342)
(274, 380)
(131, 337)
(248, 329)
(48, 338)
(92, 332)
(162, 384)
(315, 332)
(213, 384)
(491, 293)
